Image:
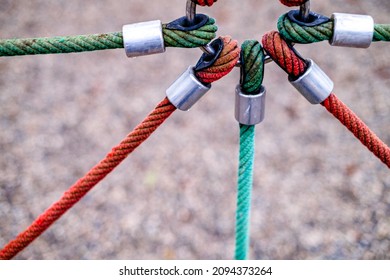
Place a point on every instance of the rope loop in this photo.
(319, 28)
(223, 65)
(284, 54)
(181, 34)
(252, 66)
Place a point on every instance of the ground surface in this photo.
(318, 194)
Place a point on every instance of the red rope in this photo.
(286, 57)
(291, 3)
(222, 66)
(205, 2)
(94, 176)
(358, 128)
(225, 63)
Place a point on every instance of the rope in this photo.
(291, 3)
(102, 169)
(85, 43)
(286, 57)
(301, 34)
(337, 108)
(190, 39)
(205, 2)
(244, 191)
(252, 56)
(94, 176)
(225, 63)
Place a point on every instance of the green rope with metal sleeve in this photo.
(252, 57)
(113, 40)
(300, 34)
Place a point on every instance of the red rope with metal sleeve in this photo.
(223, 65)
(292, 3)
(286, 57)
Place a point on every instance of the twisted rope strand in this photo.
(286, 57)
(244, 190)
(224, 65)
(190, 39)
(352, 122)
(95, 42)
(301, 34)
(86, 183)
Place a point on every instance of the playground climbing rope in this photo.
(221, 56)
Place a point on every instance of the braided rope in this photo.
(291, 3)
(252, 57)
(301, 34)
(67, 44)
(225, 63)
(85, 43)
(102, 169)
(253, 67)
(286, 58)
(244, 190)
(94, 176)
(190, 39)
(205, 2)
(337, 108)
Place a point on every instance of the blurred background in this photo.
(318, 193)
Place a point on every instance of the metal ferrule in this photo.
(314, 84)
(355, 31)
(250, 109)
(143, 38)
(186, 90)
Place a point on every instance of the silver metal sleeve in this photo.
(186, 90)
(355, 31)
(250, 109)
(143, 38)
(314, 84)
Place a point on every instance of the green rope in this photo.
(190, 39)
(95, 42)
(252, 56)
(296, 33)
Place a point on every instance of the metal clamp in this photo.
(355, 31)
(314, 84)
(186, 90)
(143, 38)
(250, 109)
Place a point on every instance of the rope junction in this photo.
(183, 33)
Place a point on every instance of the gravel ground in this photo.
(318, 194)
